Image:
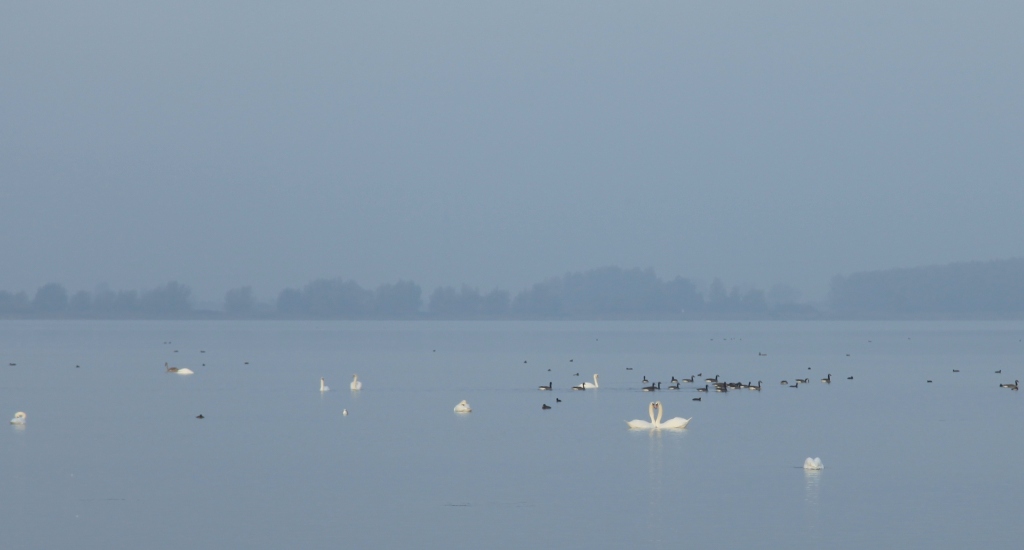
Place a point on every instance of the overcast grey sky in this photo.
(268, 144)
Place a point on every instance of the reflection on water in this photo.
(655, 484)
(812, 508)
(812, 480)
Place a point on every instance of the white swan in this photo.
(19, 418)
(176, 370)
(589, 386)
(643, 424)
(323, 387)
(463, 407)
(670, 424)
(813, 464)
(356, 384)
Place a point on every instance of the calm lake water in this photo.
(113, 456)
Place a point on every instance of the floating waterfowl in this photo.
(675, 423)
(643, 424)
(813, 464)
(548, 387)
(176, 370)
(323, 387)
(463, 407)
(19, 418)
(356, 384)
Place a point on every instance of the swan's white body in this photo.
(656, 423)
(813, 464)
(356, 384)
(670, 424)
(323, 387)
(589, 386)
(643, 424)
(463, 407)
(176, 370)
(19, 418)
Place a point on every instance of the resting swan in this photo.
(589, 386)
(356, 384)
(323, 387)
(643, 424)
(670, 424)
(463, 407)
(813, 464)
(19, 418)
(176, 370)
(656, 423)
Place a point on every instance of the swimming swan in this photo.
(670, 424)
(589, 386)
(19, 418)
(176, 370)
(356, 384)
(643, 424)
(323, 387)
(813, 464)
(463, 407)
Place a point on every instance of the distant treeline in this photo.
(53, 300)
(604, 293)
(961, 290)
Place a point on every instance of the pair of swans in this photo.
(355, 385)
(587, 385)
(656, 423)
(463, 407)
(176, 370)
(813, 464)
(19, 419)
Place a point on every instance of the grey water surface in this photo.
(113, 456)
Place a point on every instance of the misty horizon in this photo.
(497, 145)
(993, 289)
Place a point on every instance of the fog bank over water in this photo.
(226, 146)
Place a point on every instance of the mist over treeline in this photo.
(990, 289)
(608, 292)
(967, 290)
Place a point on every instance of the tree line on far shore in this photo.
(969, 290)
(603, 293)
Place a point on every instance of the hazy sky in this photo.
(268, 144)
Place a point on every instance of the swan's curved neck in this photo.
(660, 412)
